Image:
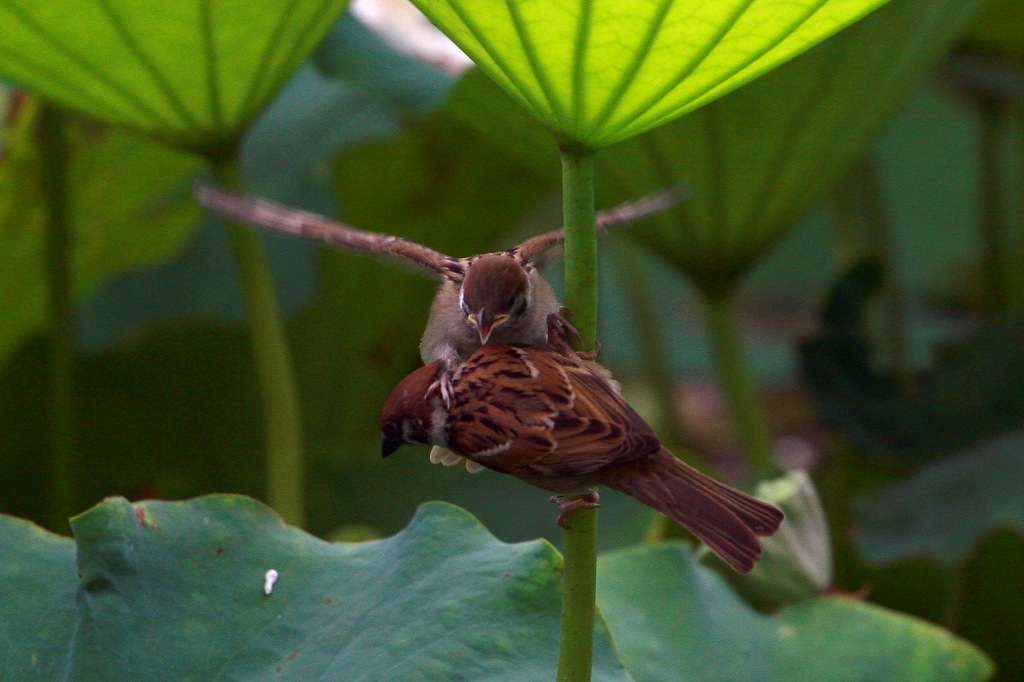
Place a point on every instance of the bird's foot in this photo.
(590, 355)
(443, 385)
(559, 331)
(588, 500)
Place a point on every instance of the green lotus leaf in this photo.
(600, 71)
(946, 508)
(131, 208)
(190, 72)
(1000, 28)
(37, 596)
(758, 159)
(179, 591)
(674, 620)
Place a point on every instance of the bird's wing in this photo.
(544, 248)
(530, 411)
(274, 216)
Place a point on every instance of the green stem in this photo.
(748, 415)
(953, 598)
(880, 233)
(580, 243)
(285, 465)
(1015, 293)
(576, 652)
(864, 227)
(63, 413)
(849, 224)
(996, 289)
(645, 318)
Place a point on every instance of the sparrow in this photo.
(558, 422)
(498, 297)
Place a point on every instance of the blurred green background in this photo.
(882, 314)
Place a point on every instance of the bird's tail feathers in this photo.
(725, 519)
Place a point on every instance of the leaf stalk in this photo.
(576, 651)
(285, 462)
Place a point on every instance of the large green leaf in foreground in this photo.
(600, 71)
(191, 72)
(674, 620)
(175, 591)
(37, 599)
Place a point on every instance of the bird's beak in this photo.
(389, 445)
(484, 325)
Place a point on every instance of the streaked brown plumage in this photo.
(558, 422)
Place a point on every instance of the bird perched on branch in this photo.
(495, 297)
(556, 421)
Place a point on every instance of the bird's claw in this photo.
(588, 500)
(559, 330)
(444, 387)
(559, 325)
(590, 355)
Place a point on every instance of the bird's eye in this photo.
(392, 430)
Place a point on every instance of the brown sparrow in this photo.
(488, 298)
(558, 422)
